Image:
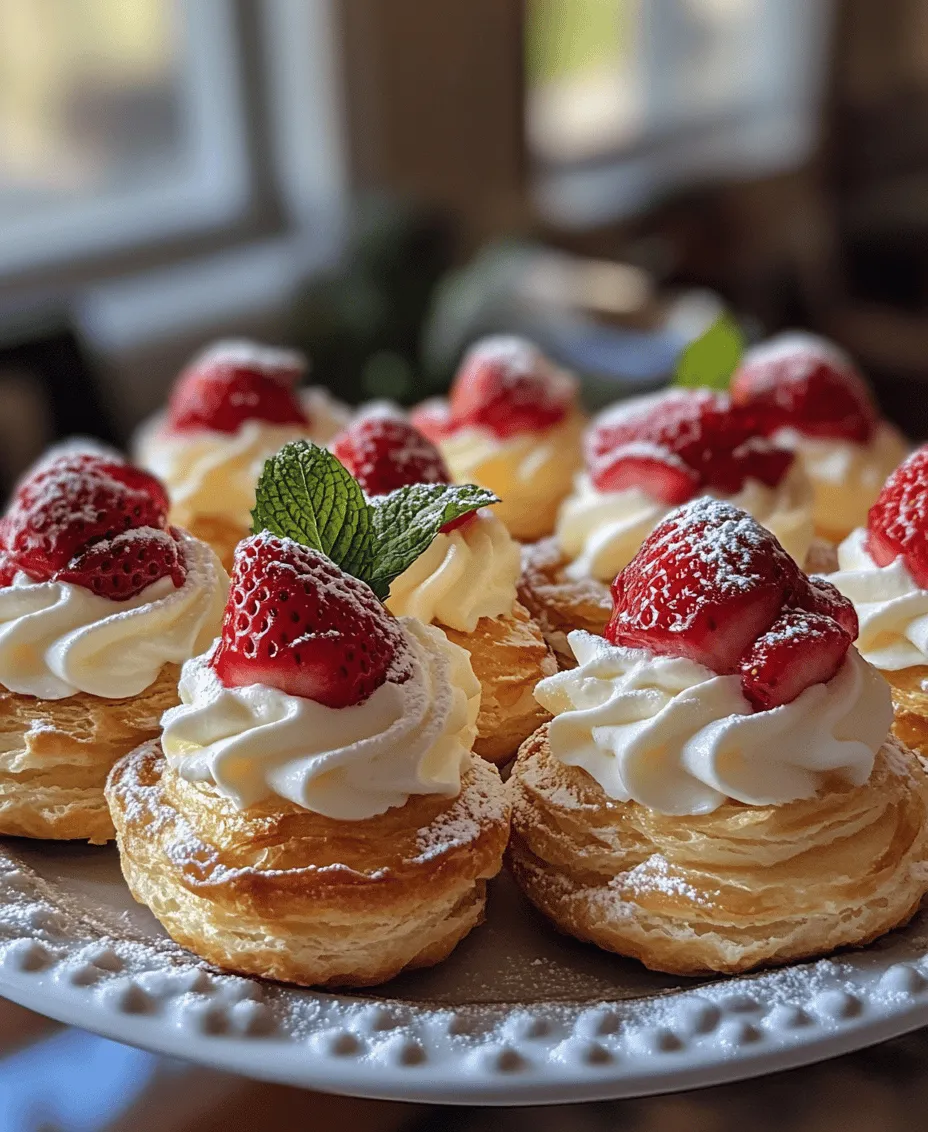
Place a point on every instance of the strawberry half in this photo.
(87, 517)
(898, 521)
(711, 584)
(122, 567)
(383, 452)
(72, 502)
(798, 650)
(433, 419)
(296, 622)
(235, 382)
(506, 385)
(704, 584)
(678, 443)
(807, 384)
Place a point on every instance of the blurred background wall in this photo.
(378, 181)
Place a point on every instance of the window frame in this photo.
(242, 184)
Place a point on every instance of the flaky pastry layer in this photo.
(557, 603)
(55, 756)
(284, 893)
(910, 704)
(743, 887)
(509, 656)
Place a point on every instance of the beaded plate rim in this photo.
(61, 960)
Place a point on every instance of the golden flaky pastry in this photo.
(910, 705)
(56, 755)
(509, 656)
(742, 887)
(557, 603)
(282, 892)
(219, 532)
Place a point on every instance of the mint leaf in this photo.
(304, 493)
(711, 359)
(405, 522)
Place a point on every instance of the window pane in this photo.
(584, 89)
(89, 99)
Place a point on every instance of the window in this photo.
(127, 122)
(118, 124)
(626, 98)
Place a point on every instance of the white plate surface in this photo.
(518, 1015)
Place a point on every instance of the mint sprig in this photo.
(710, 360)
(306, 494)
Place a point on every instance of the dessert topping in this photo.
(235, 382)
(713, 585)
(677, 444)
(803, 383)
(898, 521)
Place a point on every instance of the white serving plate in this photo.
(518, 1015)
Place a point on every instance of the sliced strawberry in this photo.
(385, 452)
(69, 504)
(898, 521)
(656, 472)
(798, 650)
(698, 437)
(807, 384)
(433, 419)
(818, 595)
(508, 386)
(235, 382)
(704, 584)
(296, 622)
(123, 566)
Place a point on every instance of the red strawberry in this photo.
(805, 383)
(711, 584)
(705, 582)
(679, 442)
(433, 419)
(508, 386)
(384, 453)
(818, 595)
(235, 382)
(898, 521)
(296, 622)
(73, 502)
(124, 566)
(656, 471)
(798, 650)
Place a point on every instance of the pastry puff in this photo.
(509, 656)
(56, 755)
(279, 891)
(728, 891)
(559, 604)
(909, 687)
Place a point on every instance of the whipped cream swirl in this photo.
(846, 477)
(213, 473)
(468, 573)
(531, 472)
(601, 531)
(891, 606)
(673, 736)
(256, 742)
(58, 638)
